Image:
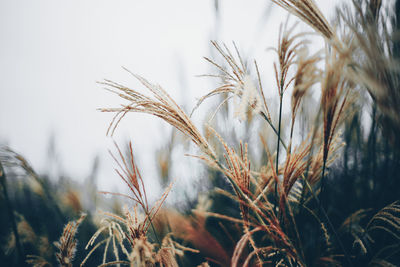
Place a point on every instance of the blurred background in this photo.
(53, 53)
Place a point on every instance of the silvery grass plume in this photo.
(165, 107)
(160, 105)
(309, 12)
(236, 81)
(249, 98)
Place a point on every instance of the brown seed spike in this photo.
(67, 243)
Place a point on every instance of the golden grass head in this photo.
(236, 82)
(170, 249)
(288, 48)
(129, 173)
(309, 12)
(67, 244)
(166, 257)
(160, 105)
(250, 100)
(142, 253)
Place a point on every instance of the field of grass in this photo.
(319, 187)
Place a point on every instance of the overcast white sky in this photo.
(53, 52)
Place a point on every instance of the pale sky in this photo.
(53, 52)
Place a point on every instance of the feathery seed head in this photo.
(250, 98)
(67, 244)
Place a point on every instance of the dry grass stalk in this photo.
(286, 254)
(295, 166)
(67, 244)
(241, 245)
(141, 252)
(238, 169)
(234, 176)
(166, 256)
(335, 98)
(288, 48)
(287, 51)
(309, 12)
(258, 213)
(130, 174)
(374, 61)
(315, 161)
(161, 105)
(306, 76)
(236, 81)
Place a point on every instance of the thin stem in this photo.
(146, 211)
(274, 129)
(322, 183)
(278, 146)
